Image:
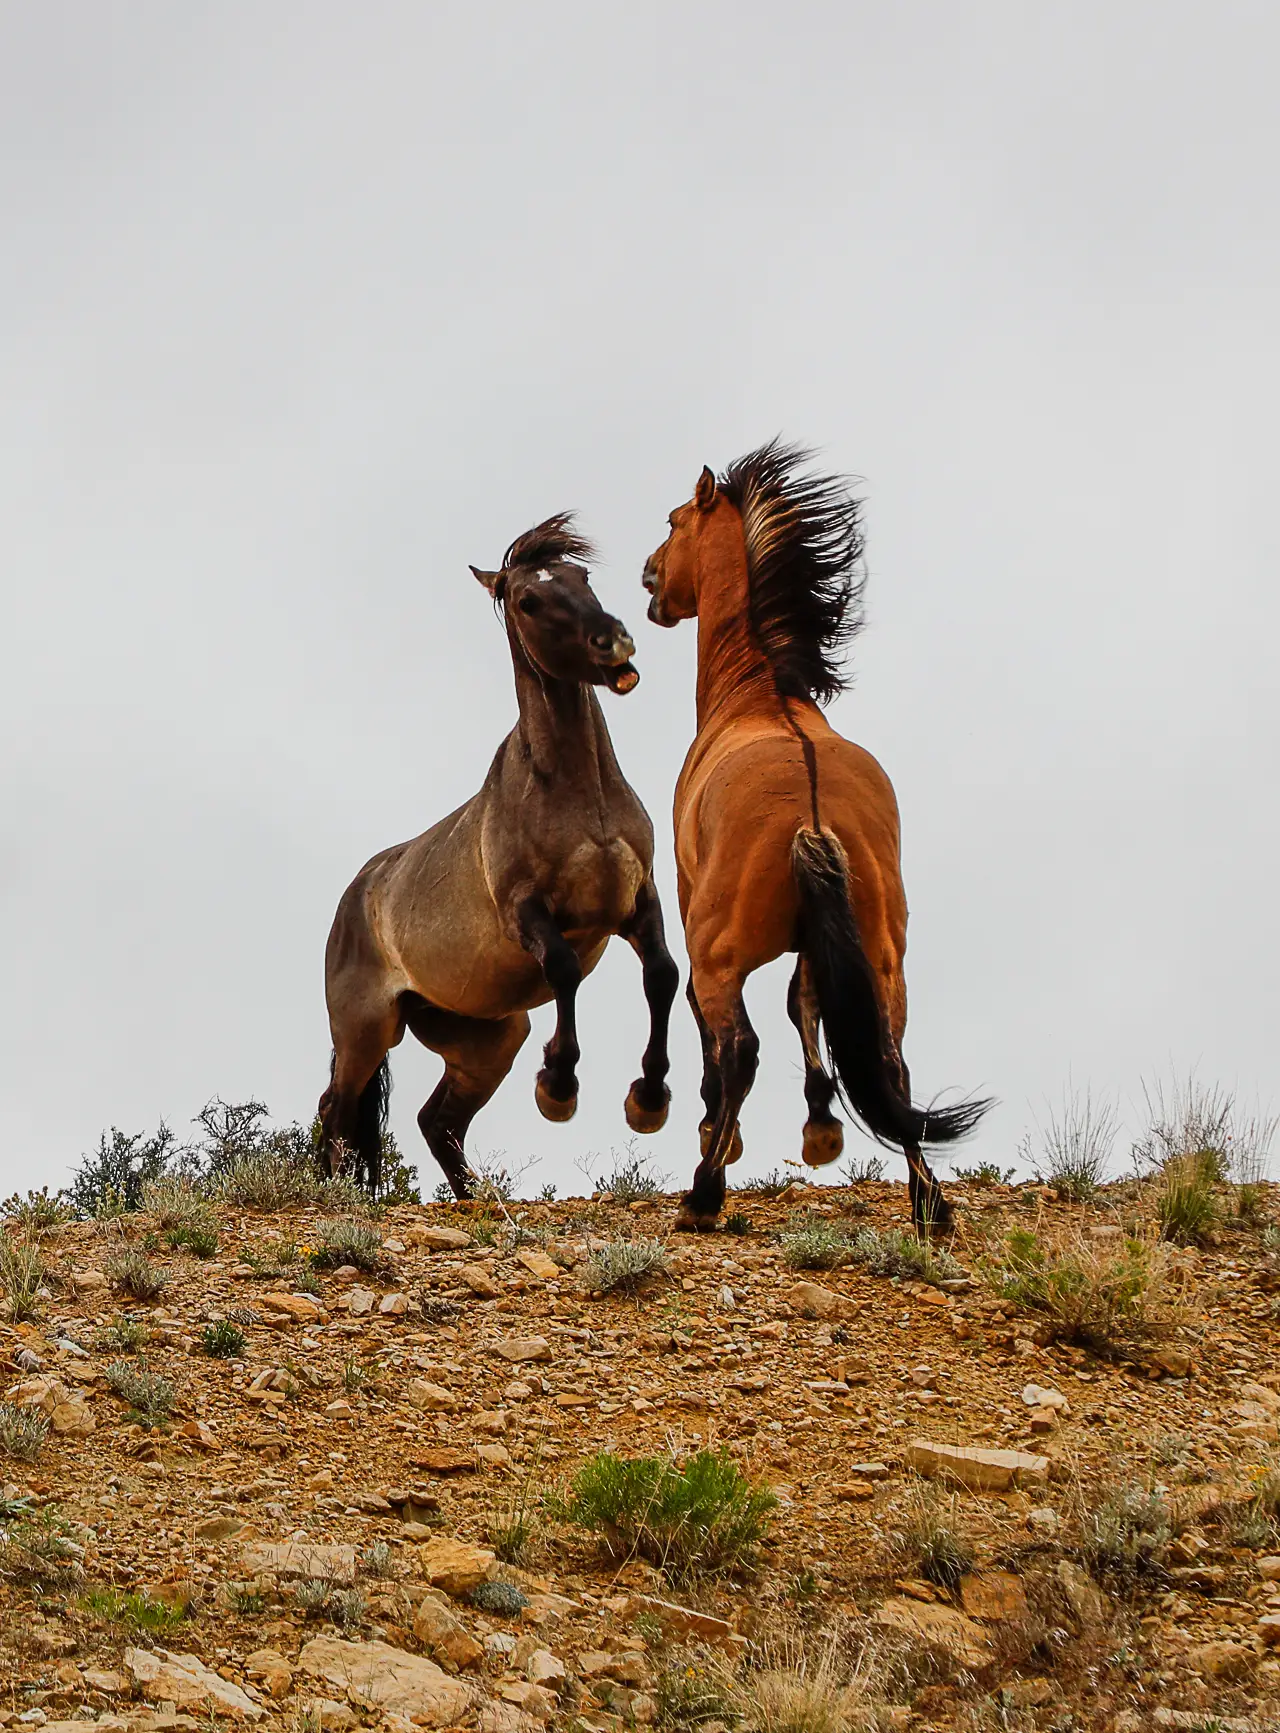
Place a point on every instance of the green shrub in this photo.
(150, 1397)
(623, 1266)
(986, 1174)
(1099, 1295)
(810, 1243)
(378, 1561)
(702, 1516)
(39, 1210)
(1074, 1146)
(123, 1336)
(1126, 1537)
(631, 1181)
(110, 1181)
(1186, 1207)
(349, 1242)
(931, 1540)
(174, 1200)
(865, 1170)
(23, 1431)
(136, 1611)
(737, 1223)
(22, 1275)
(504, 1600)
(39, 1546)
(224, 1341)
(891, 1252)
(198, 1238)
(132, 1272)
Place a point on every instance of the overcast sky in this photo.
(305, 306)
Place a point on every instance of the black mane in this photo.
(804, 542)
(554, 539)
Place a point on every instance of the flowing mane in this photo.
(554, 539)
(804, 541)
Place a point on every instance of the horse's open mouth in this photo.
(623, 677)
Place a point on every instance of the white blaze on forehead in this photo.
(544, 577)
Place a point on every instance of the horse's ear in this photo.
(488, 579)
(705, 492)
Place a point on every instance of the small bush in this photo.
(1186, 1207)
(504, 1600)
(737, 1223)
(1186, 1118)
(268, 1180)
(39, 1211)
(349, 1242)
(774, 1183)
(40, 1547)
(1075, 1146)
(702, 1516)
(810, 1243)
(805, 1687)
(347, 1608)
(174, 1200)
(986, 1174)
(623, 1266)
(515, 1526)
(138, 1611)
(308, 1282)
(150, 1397)
(631, 1181)
(378, 1561)
(224, 1341)
(1100, 1297)
(123, 1336)
(311, 1594)
(110, 1181)
(866, 1170)
(22, 1275)
(932, 1541)
(1127, 1535)
(693, 1690)
(132, 1272)
(890, 1252)
(198, 1238)
(23, 1431)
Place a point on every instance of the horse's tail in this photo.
(859, 1040)
(371, 1126)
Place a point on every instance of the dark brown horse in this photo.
(786, 833)
(509, 901)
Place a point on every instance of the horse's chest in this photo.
(596, 885)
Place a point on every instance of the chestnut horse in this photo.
(787, 834)
(511, 900)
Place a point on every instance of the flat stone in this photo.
(330, 1716)
(481, 1283)
(360, 1302)
(446, 1461)
(72, 1419)
(948, 1634)
(302, 1308)
(544, 1668)
(681, 1621)
(456, 1566)
(378, 1676)
(271, 1670)
(812, 1300)
(432, 1398)
(1269, 1568)
(870, 1470)
(1042, 1396)
(88, 1281)
(1084, 1597)
(214, 1528)
(519, 1349)
(1221, 1659)
(1268, 1628)
(978, 1470)
(185, 1681)
(438, 1628)
(297, 1558)
(106, 1680)
(393, 1305)
(1177, 1362)
(539, 1264)
(436, 1239)
(992, 1596)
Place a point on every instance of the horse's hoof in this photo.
(735, 1145)
(823, 1142)
(559, 1112)
(646, 1119)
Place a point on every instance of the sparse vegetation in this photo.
(150, 1397)
(1100, 1294)
(378, 1561)
(623, 1266)
(174, 1200)
(737, 1223)
(110, 1182)
(704, 1515)
(986, 1175)
(39, 1211)
(224, 1341)
(810, 1242)
(348, 1241)
(862, 1170)
(1072, 1150)
(891, 1252)
(137, 1612)
(1126, 1536)
(38, 1546)
(22, 1276)
(23, 1431)
(931, 1540)
(132, 1272)
(122, 1336)
(692, 1691)
(1186, 1208)
(503, 1599)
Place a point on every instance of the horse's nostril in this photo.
(602, 640)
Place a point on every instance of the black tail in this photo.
(866, 1065)
(371, 1127)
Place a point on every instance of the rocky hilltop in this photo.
(324, 1470)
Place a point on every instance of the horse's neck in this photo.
(558, 723)
(734, 676)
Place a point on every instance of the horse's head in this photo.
(553, 613)
(671, 571)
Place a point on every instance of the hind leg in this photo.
(823, 1132)
(477, 1056)
(710, 1089)
(735, 1049)
(930, 1211)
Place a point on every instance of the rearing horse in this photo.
(786, 834)
(510, 900)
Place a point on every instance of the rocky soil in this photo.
(300, 1542)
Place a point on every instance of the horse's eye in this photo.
(529, 604)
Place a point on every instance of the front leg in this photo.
(649, 1098)
(556, 1091)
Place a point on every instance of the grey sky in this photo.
(305, 306)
